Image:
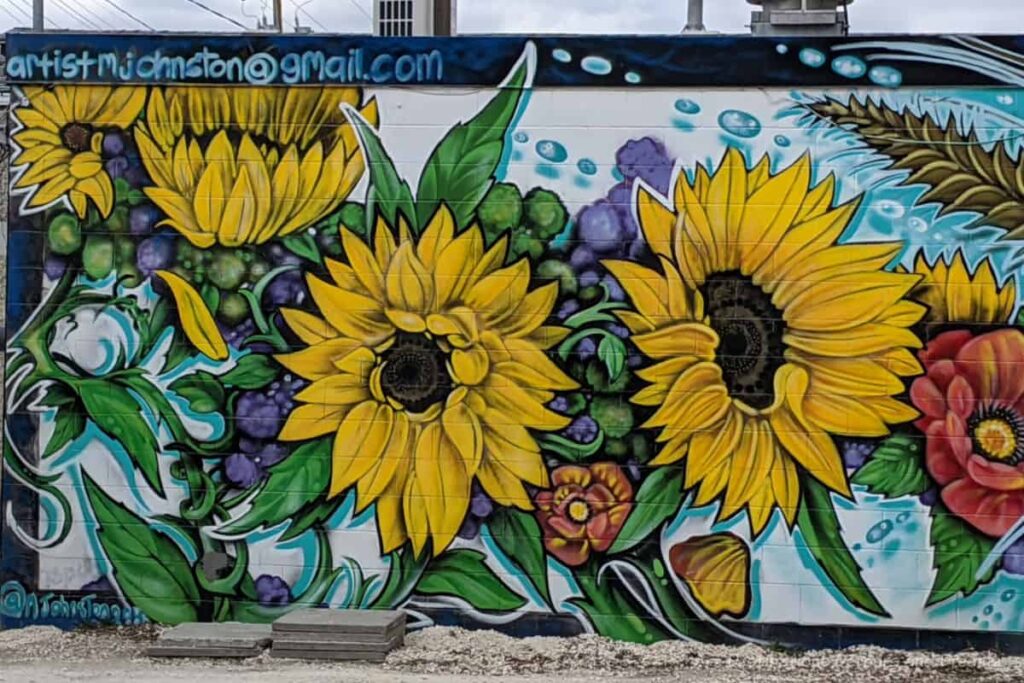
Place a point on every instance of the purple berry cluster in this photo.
(480, 509)
(259, 416)
(272, 591)
(121, 159)
(607, 228)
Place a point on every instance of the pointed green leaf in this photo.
(294, 483)
(389, 195)
(823, 538)
(254, 371)
(150, 569)
(202, 391)
(612, 352)
(519, 536)
(119, 416)
(959, 552)
(464, 574)
(657, 500)
(895, 469)
(68, 424)
(303, 245)
(461, 168)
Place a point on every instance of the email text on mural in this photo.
(261, 68)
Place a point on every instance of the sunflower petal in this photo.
(196, 320)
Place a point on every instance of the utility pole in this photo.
(37, 15)
(278, 16)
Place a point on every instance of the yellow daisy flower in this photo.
(61, 140)
(234, 166)
(767, 336)
(953, 293)
(428, 366)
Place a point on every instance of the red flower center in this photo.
(997, 433)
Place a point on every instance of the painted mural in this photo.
(648, 362)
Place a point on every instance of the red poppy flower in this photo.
(972, 399)
(584, 510)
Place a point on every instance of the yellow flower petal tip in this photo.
(716, 569)
(953, 293)
(196, 320)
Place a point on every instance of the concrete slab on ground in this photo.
(381, 623)
(212, 640)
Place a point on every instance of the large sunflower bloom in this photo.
(429, 368)
(767, 336)
(954, 294)
(62, 138)
(234, 166)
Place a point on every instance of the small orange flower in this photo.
(584, 510)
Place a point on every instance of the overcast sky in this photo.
(524, 16)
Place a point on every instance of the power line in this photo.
(11, 14)
(302, 9)
(215, 12)
(360, 8)
(23, 12)
(52, 23)
(128, 14)
(71, 12)
(96, 15)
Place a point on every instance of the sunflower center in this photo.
(76, 137)
(414, 373)
(750, 331)
(997, 433)
(578, 511)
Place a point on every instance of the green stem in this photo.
(565, 348)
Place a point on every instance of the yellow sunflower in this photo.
(234, 166)
(953, 293)
(62, 138)
(766, 336)
(428, 366)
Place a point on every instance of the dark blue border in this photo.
(658, 61)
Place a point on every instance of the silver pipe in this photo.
(694, 17)
(37, 15)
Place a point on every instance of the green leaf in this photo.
(293, 484)
(68, 424)
(119, 416)
(57, 396)
(150, 569)
(461, 168)
(570, 450)
(310, 517)
(895, 469)
(519, 536)
(404, 570)
(254, 371)
(202, 391)
(304, 245)
(612, 352)
(823, 538)
(389, 195)
(657, 500)
(463, 574)
(959, 552)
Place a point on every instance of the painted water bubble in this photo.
(879, 531)
(782, 49)
(1008, 595)
(599, 66)
(890, 208)
(586, 167)
(917, 224)
(885, 76)
(552, 151)
(1004, 99)
(632, 77)
(849, 66)
(561, 55)
(782, 141)
(521, 137)
(739, 123)
(902, 517)
(685, 106)
(811, 57)
(988, 610)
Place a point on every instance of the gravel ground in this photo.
(449, 654)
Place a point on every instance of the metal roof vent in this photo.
(800, 18)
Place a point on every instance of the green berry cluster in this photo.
(532, 220)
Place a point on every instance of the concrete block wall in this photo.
(708, 338)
